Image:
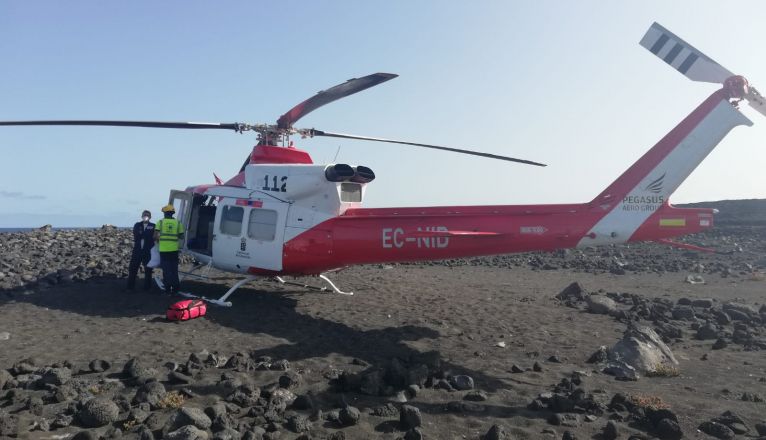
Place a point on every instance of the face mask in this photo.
(145, 219)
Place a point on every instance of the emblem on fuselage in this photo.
(656, 185)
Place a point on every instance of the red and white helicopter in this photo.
(283, 215)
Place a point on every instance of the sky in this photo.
(564, 83)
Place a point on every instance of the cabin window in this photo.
(231, 220)
(262, 225)
(350, 192)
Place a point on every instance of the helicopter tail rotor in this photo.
(697, 66)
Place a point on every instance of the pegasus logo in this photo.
(656, 185)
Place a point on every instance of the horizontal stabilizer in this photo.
(686, 246)
(682, 56)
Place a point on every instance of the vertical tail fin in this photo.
(646, 186)
(643, 189)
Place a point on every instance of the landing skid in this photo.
(308, 286)
(205, 269)
(222, 300)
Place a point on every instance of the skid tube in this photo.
(309, 286)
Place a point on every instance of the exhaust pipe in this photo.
(363, 175)
(339, 172)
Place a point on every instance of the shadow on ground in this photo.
(272, 312)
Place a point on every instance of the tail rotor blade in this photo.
(335, 93)
(682, 56)
(313, 132)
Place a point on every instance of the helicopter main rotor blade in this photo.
(335, 93)
(149, 124)
(313, 132)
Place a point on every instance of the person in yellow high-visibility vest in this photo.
(167, 233)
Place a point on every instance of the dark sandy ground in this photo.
(401, 312)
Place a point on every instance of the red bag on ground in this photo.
(185, 310)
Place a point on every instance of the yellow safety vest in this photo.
(170, 230)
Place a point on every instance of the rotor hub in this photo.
(736, 87)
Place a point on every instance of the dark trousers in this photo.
(139, 258)
(169, 265)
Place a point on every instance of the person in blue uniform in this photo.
(143, 240)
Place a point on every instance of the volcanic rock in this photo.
(290, 380)
(414, 434)
(742, 309)
(461, 382)
(227, 434)
(621, 370)
(668, 429)
(568, 420)
(409, 417)
(25, 366)
(187, 416)
(733, 421)
(601, 305)
(610, 431)
(702, 303)
(35, 405)
(476, 396)
(685, 313)
(85, 435)
(751, 397)
(98, 412)
(281, 396)
(151, 393)
(387, 410)
(62, 421)
(349, 416)
(5, 377)
(135, 369)
(9, 425)
(599, 356)
(298, 423)
(707, 331)
(57, 376)
(188, 432)
(572, 292)
(496, 432)
(717, 430)
(642, 349)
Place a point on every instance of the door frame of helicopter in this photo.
(259, 243)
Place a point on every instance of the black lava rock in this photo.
(409, 417)
(98, 412)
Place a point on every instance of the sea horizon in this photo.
(54, 228)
